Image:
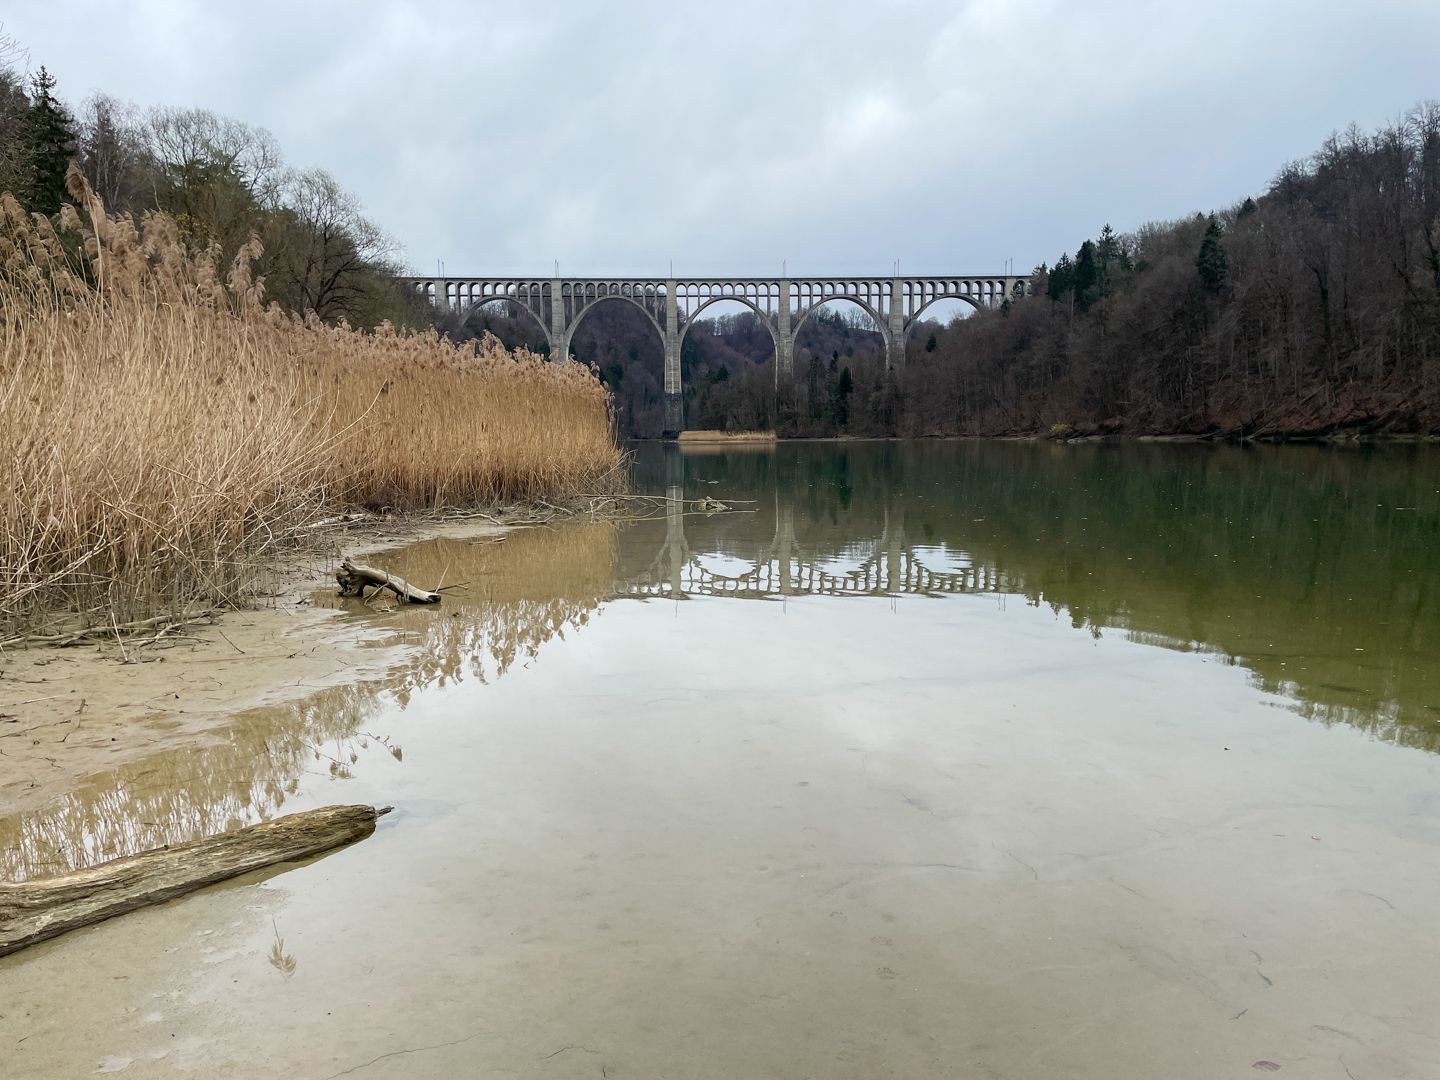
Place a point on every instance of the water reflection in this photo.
(534, 586)
(514, 594)
(1318, 571)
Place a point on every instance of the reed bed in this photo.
(730, 437)
(166, 432)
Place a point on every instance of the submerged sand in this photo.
(68, 714)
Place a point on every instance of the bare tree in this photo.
(215, 175)
(183, 141)
(325, 252)
(13, 104)
(113, 153)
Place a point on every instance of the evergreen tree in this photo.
(1061, 278)
(1087, 283)
(1109, 245)
(47, 141)
(1247, 207)
(1211, 262)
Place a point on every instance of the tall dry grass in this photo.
(162, 432)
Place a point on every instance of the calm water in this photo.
(992, 760)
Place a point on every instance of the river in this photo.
(946, 759)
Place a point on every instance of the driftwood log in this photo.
(34, 911)
(354, 578)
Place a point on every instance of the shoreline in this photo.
(1329, 439)
(69, 713)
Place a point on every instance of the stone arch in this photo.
(477, 303)
(875, 316)
(974, 301)
(742, 300)
(589, 305)
(582, 297)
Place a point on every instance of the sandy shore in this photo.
(67, 714)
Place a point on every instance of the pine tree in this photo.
(47, 142)
(1087, 276)
(1109, 244)
(1247, 207)
(1061, 278)
(1211, 262)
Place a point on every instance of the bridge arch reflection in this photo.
(885, 562)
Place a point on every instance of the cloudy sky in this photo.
(838, 135)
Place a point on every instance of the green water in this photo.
(1316, 569)
(943, 759)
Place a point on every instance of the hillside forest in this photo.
(1309, 308)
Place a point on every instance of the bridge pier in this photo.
(559, 340)
(895, 338)
(674, 394)
(675, 537)
(784, 337)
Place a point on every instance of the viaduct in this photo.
(672, 304)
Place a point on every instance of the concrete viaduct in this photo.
(672, 304)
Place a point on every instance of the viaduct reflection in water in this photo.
(1317, 571)
(882, 565)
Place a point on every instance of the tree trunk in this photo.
(33, 911)
(354, 578)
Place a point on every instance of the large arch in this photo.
(973, 301)
(591, 305)
(744, 302)
(579, 317)
(875, 316)
(700, 383)
(511, 306)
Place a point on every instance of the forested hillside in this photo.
(1311, 308)
(221, 180)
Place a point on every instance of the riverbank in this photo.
(169, 435)
(1339, 437)
(67, 714)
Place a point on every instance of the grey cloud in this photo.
(838, 135)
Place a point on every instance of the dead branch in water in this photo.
(354, 579)
(34, 911)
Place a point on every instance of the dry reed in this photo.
(731, 437)
(165, 432)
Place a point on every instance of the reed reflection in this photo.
(530, 587)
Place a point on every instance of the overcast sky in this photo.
(728, 136)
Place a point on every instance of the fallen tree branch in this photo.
(34, 911)
(354, 578)
(101, 633)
